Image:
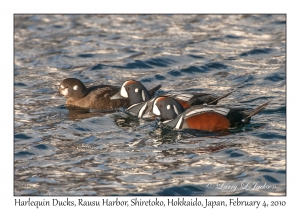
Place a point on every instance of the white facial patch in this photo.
(62, 87)
(123, 92)
(168, 107)
(136, 90)
(75, 87)
(64, 92)
(156, 110)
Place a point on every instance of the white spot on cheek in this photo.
(156, 110)
(75, 87)
(123, 92)
(62, 87)
(136, 90)
(168, 107)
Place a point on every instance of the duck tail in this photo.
(256, 110)
(221, 97)
(153, 90)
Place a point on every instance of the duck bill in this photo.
(117, 96)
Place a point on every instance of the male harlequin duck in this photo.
(96, 97)
(140, 104)
(201, 117)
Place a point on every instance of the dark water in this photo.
(62, 152)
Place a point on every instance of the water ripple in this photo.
(256, 52)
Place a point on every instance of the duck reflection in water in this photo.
(76, 113)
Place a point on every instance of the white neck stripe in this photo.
(175, 109)
(142, 110)
(143, 95)
(178, 125)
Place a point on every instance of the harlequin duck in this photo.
(201, 117)
(95, 97)
(140, 103)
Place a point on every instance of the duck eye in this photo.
(75, 87)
